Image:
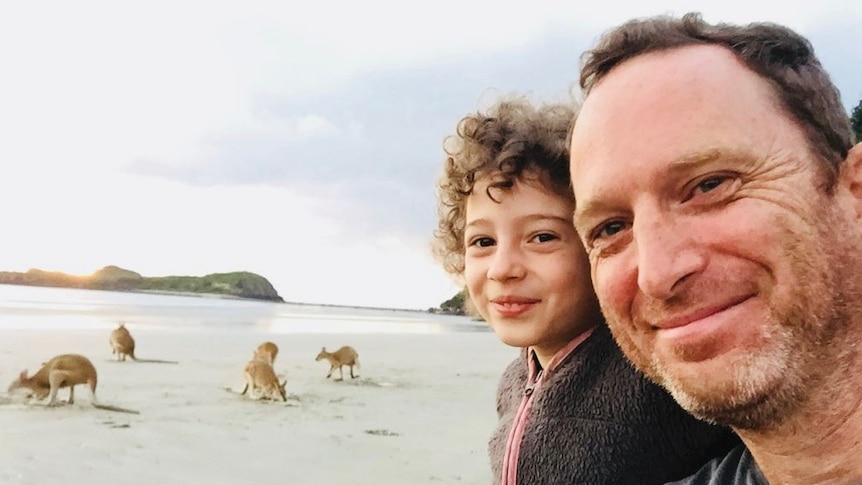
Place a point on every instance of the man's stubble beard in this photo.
(809, 333)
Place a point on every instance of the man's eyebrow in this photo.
(587, 211)
(699, 158)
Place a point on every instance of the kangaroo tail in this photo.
(156, 361)
(108, 407)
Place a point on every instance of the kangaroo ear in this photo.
(23, 374)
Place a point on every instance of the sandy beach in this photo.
(420, 412)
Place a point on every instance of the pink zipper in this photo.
(516, 434)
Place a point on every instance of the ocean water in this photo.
(30, 307)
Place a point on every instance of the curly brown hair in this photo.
(778, 54)
(509, 140)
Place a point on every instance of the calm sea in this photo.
(29, 307)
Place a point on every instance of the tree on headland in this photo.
(856, 121)
(455, 305)
(459, 304)
(240, 284)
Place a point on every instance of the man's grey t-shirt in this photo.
(735, 468)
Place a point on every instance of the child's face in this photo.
(525, 267)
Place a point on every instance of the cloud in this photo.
(313, 125)
(835, 45)
(372, 151)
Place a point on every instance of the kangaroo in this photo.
(66, 370)
(266, 352)
(122, 344)
(261, 378)
(344, 356)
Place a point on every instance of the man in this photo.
(719, 196)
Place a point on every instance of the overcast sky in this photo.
(297, 140)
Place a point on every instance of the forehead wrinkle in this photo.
(603, 197)
(704, 158)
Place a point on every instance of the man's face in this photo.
(716, 253)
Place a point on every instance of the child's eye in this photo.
(482, 242)
(545, 237)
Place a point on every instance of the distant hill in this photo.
(112, 278)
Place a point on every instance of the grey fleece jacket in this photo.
(595, 420)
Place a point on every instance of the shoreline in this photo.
(221, 296)
(215, 296)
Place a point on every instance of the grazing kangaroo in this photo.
(66, 370)
(123, 345)
(266, 352)
(261, 378)
(344, 356)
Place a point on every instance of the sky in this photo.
(298, 140)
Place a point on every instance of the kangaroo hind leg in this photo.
(56, 379)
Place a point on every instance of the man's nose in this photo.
(667, 254)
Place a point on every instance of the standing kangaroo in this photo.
(123, 345)
(66, 370)
(344, 356)
(266, 352)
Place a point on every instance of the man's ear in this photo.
(851, 177)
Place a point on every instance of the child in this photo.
(572, 409)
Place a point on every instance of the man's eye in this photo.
(713, 188)
(711, 183)
(610, 229)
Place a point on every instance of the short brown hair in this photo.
(510, 138)
(778, 54)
